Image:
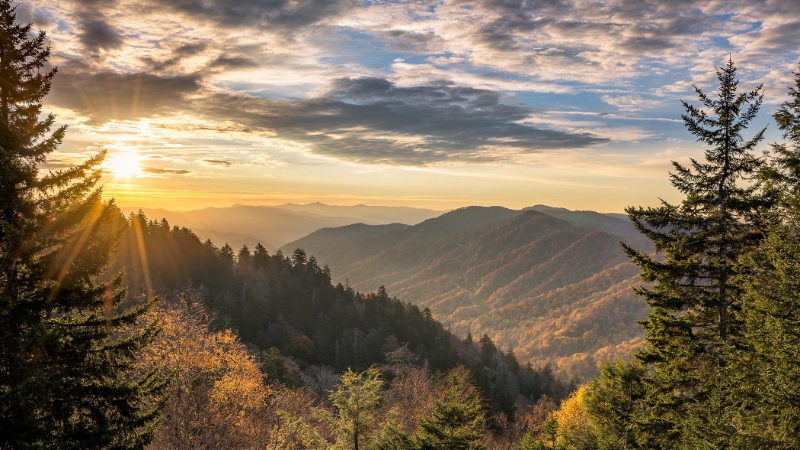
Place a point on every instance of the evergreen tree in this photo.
(65, 365)
(550, 431)
(355, 400)
(614, 404)
(696, 319)
(260, 256)
(244, 258)
(528, 442)
(392, 437)
(767, 372)
(273, 366)
(456, 422)
(227, 255)
(782, 176)
(768, 367)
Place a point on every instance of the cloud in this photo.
(284, 15)
(179, 54)
(96, 34)
(583, 41)
(374, 121)
(234, 62)
(160, 171)
(413, 41)
(26, 14)
(628, 103)
(106, 95)
(56, 163)
(771, 40)
(221, 162)
(466, 78)
(643, 45)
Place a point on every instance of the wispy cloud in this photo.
(162, 171)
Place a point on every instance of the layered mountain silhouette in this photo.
(273, 226)
(551, 283)
(617, 224)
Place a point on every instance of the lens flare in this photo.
(124, 164)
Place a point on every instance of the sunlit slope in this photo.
(350, 245)
(553, 291)
(617, 224)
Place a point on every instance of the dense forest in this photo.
(127, 333)
(288, 305)
(557, 290)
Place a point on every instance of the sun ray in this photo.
(94, 216)
(137, 229)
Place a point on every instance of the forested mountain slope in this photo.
(290, 303)
(343, 246)
(553, 291)
(610, 223)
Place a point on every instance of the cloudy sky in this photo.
(434, 104)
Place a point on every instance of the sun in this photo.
(124, 164)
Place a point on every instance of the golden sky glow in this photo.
(420, 103)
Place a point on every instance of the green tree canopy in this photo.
(767, 369)
(456, 422)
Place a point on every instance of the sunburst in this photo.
(124, 164)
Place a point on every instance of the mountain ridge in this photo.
(273, 226)
(534, 282)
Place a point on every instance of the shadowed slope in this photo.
(553, 291)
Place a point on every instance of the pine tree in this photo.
(65, 366)
(768, 368)
(613, 402)
(355, 400)
(782, 176)
(696, 317)
(456, 422)
(528, 442)
(260, 256)
(392, 437)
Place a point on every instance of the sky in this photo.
(431, 104)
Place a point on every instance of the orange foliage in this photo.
(217, 397)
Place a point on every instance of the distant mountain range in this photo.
(611, 223)
(549, 282)
(273, 226)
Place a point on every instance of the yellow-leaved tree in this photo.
(217, 398)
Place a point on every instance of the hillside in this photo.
(290, 304)
(347, 245)
(617, 224)
(554, 291)
(273, 226)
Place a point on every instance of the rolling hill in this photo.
(273, 226)
(617, 224)
(555, 289)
